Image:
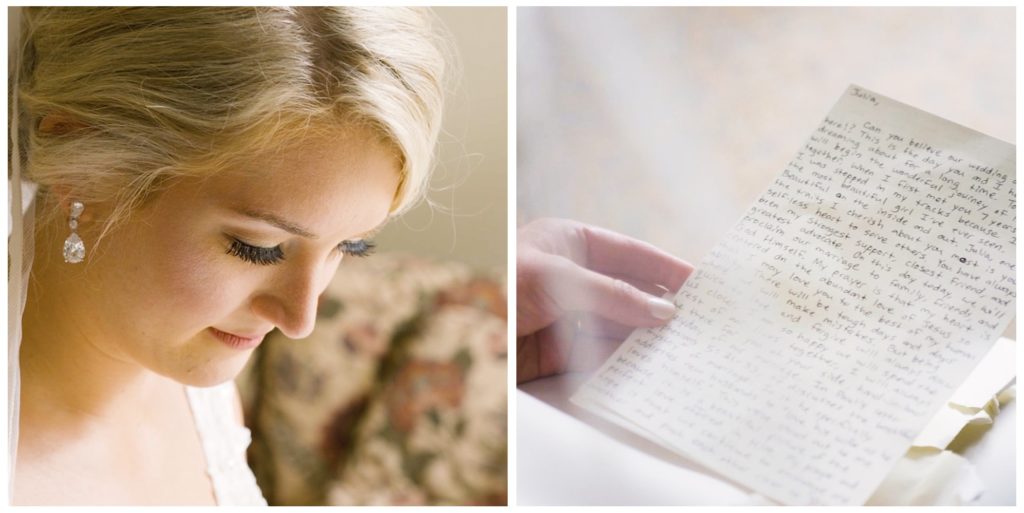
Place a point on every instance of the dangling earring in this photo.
(74, 248)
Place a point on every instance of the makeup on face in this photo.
(237, 341)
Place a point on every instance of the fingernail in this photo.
(661, 308)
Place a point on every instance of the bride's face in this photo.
(193, 281)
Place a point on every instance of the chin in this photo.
(211, 373)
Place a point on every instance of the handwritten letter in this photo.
(834, 320)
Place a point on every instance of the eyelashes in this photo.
(260, 255)
(255, 254)
(358, 248)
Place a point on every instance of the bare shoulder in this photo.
(47, 459)
(156, 461)
(57, 468)
(38, 472)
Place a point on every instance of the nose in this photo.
(290, 303)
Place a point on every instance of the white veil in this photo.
(20, 242)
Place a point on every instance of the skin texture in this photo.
(108, 343)
(581, 290)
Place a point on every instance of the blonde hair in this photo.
(156, 92)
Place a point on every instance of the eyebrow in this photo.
(290, 227)
(372, 233)
(279, 222)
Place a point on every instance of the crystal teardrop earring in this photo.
(74, 248)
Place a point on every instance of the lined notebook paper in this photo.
(824, 331)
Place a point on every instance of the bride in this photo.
(192, 179)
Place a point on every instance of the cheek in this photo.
(190, 282)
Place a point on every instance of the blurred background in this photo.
(667, 123)
(399, 395)
(466, 212)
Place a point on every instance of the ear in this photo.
(59, 123)
(64, 196)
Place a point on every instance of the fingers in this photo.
(590, 353)
(565, 266)
(599, 327)
(613, 253)
(612, 282)
(535, 306)
(544, 352)
(604, 251)
(565, 346)
(574, 288)
(654, 289)
(528, 358)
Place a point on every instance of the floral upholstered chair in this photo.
(397, 397)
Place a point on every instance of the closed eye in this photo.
(258, 255)
(359, 248)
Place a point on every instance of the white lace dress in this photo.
(224, 443)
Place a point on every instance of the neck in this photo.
(69, 368)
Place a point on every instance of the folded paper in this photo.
(838, 316)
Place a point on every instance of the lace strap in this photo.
(224, 443)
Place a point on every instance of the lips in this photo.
(237, 341)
